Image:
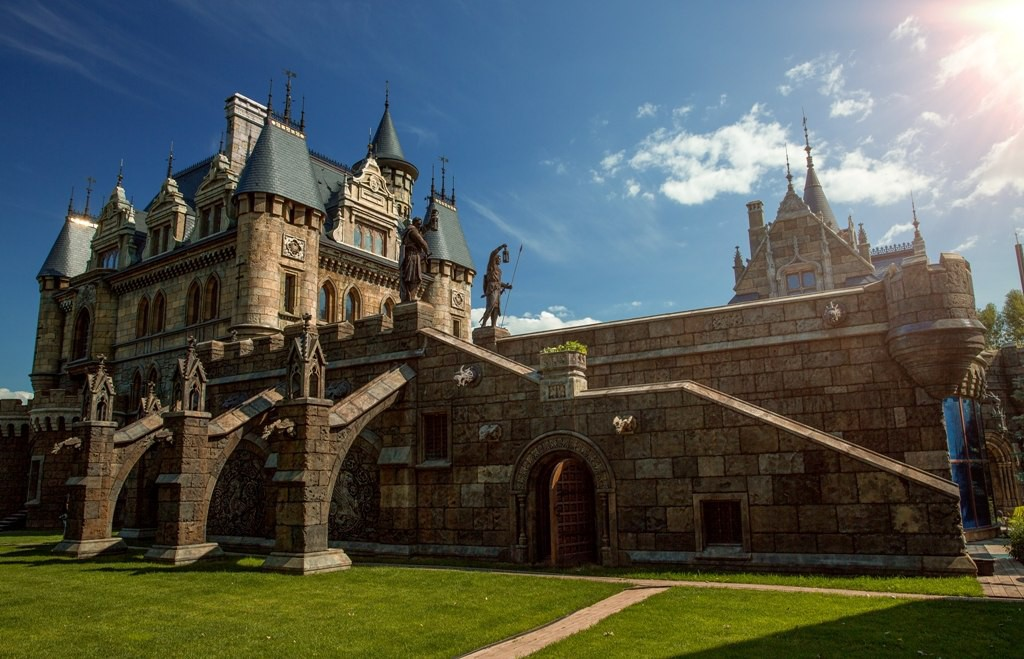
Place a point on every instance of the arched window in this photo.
(387, 307)
(159, 309)
(211, 298)
(142, 318)
(352, 305)
(326, 303)
(135, 394)
(154, 377)
(192, 304)
(80, 341)
(357, 236)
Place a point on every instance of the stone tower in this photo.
(401, 174)
(451, 266)
(280, 216)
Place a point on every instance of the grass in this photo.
(723, 623)
(127, 606)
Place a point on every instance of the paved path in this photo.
(530, 642)
(1007, 582)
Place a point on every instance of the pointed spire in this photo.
(71, 201)
(289, 75)
(270, 101)
(433, 190)
(737, 258)
(453, 189)
(814, 194)
(302, 116)
(88, 193)
(919, 247)
(120, 173)
(387, 94)
(220, 147)
(789, 174)
(862, 235)
(444, 161)
(170, 160)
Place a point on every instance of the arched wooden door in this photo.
(571, 513)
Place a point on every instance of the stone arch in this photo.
(1006, 490)
(539, 456)
(126, 458)
(239, 503)
(355, 494)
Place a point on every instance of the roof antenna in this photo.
(289, 75)
(88, 193)
(170, 160)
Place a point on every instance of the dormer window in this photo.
(801, 282)
(108, 258)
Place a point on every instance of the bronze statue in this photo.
(493, 286)
(416, 253)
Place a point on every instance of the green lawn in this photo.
(53, 606)
(719, 623)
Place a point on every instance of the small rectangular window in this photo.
(457, 328)
(35, 480)
(723, 522)
(435, 437)
(289, 292)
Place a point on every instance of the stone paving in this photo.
(1006, 583)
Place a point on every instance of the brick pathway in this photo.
(530, 642)
(1008, 580)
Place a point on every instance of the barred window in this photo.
(723, 522)
(435, 437)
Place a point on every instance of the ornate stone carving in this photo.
(468, 376)
(306, 363)
(458, 300)
(834, 314)
(561, 442)
(238, 506)
(284, 426)
(339, 389)
(189, 392)
(150, 404)
(293, 248)
(86, 296)
(70, 442)
(99, 394)
(625, 425)
(355, 502)
(491, 432)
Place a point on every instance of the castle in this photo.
(234, 366)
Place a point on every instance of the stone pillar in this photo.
(88, 512)
(564, 373)
(303, 481)
(488, 337)
(182, 490)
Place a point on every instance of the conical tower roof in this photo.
(70, 253)
(814, 194)
(386, 147)
(279, 164)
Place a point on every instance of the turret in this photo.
(450, 265)
(400, 173)
(113, 246)
(814, 194)
(280, 215)
(68, 258)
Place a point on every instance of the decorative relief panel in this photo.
(293, 248)
(834, 314)
(355, 503)
(458, 300)
(625, 424)
(238, 506)
(577, 445)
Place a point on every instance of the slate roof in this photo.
(280, 164)
(71, 251)
(448, 243)
(385, 140)
(814, 197)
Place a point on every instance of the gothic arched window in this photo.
(80, 340)
(352, 305)
(326, 303)
(211, 298)
(159, 309)
(193, 302)
(142, 318)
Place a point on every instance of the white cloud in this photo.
(910, 29)
(935, 119)
(632, 188)
(554, 317)
(861, 178)
(967, 244)
(611, 162)
(697, 167)
(647, 110)
(1002, 168)
(23, 396)
(555, 164)
(895, 230)
(830, 75)
(682, 111)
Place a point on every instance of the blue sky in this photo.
(617, 142)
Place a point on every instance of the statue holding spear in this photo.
(493, 286)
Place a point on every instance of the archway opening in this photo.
(565, 520)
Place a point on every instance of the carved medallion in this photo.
(834, 314)
(458, 300)
(293, 248)
(625, 424)
(491, 432)
(467, 376)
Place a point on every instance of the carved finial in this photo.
(453, 189)
(737, 259)
(789, 174)
(120, 173)
(289, 75)
(302, 116)
(306, 317)
(862, 235)
(913, 208)
(191, 344)
(170, 160)
(88, 193)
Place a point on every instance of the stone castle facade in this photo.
(233, 367)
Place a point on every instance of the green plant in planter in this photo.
(1015, 530)
(568, 346)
